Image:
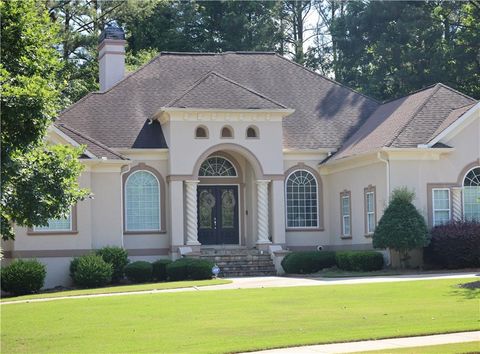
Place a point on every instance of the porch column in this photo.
(456, 203)
(191, 199)
(278, 212)
(262, 210)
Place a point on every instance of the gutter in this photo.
(387, 163)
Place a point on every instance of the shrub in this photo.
(189, 268)
(139, 272)
(455, 245)
(401, 227)
(91, 271)
(117, 257)
(308, 262)
(160, 269)
(362, 261)
(23, 277)
(74, 266)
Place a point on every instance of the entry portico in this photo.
(255, 186)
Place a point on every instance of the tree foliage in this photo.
(401, 228)
(39, 182)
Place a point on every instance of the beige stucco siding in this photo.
(354, 180)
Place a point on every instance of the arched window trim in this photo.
(231, 132)
(125, 215)
(463, 190)
(219, 157)
(207, 133)
(294, 228)
(255, 129)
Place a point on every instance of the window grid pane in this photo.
(142, 194)
(471, 195)
(441, 206)
(61, 224)
(301, 195)
(217, 167)
(345, 215)
(370, 205)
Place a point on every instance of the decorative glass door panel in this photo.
(218, 215)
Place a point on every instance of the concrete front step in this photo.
(247, 274)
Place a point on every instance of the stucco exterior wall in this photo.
(354, 180)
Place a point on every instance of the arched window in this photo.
(217, 166)
(252, 132)
(471, 195)
(201, 132)
(227, 132)
(142, 202)
(302, 200)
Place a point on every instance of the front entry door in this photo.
(217, 215)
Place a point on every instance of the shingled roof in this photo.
(215, 91)
(326, 113)
(408, 121)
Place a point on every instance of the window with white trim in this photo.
(471, 195)
(370, 211)
(346, 214)
(302, 200)
(60, 224)
(217, 166)
(441, 206)
(142, 202)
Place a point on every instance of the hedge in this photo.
(362, 261)
(118, 258)
(455, 245)
(91, 271)
(139, 272)
(308, 262)
(23, 277)
(189, 268)
(160, 269)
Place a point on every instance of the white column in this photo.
(191, 199)
(278, 212)
(176, 218)
(456, 193)
(262, 210)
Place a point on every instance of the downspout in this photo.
(387, 163)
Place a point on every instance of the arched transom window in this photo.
(302, 200)
(142, 202)
(471, 195)
(217, 166)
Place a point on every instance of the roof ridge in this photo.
(409, 94)
(93, 141)
(328, 79)
(414, 114)
(456, 91)
(240, 52)
(212, 72)
(75, 103)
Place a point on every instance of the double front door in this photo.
(218, 215)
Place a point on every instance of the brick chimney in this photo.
(111, 56)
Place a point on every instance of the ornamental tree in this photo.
(401, 228)
(38, 182)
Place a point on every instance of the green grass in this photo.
(469, 347)
(239, 320)
(121, 289)
(338, 273)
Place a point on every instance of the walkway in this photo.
(382, 344)
(271, 282)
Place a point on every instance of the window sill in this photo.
(346, 237)
(369, 235)
(52, 233)
(305, 229)
(158, 232)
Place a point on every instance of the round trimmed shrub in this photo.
(455, 245)
(308, 262)
(23, 277)
(139, 272)
(118, 258)
(160, 269)
(189, 268)
(360, 261)
(91, 271)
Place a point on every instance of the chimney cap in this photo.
(112, 31)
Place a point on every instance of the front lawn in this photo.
(240, 320)
(120, 289)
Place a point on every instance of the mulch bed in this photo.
(472, 285)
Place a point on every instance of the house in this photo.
(248, 150)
